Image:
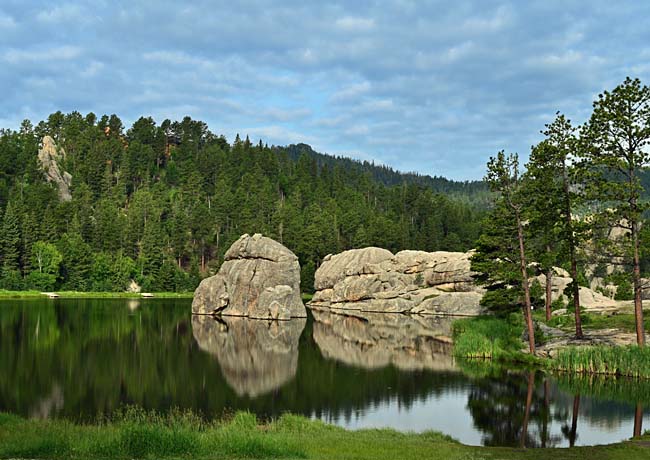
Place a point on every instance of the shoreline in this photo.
(14, 295)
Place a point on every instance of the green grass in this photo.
(622, 321)
(489, 337)
(135, 434)
(4, 294)
(630, 361)
(306, 297)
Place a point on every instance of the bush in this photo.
(40, 281)
(501, 300)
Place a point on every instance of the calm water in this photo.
(76, 359)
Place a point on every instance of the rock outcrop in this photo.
(375, 340)
(50, 156)
(589, 299)
(375, 280)
(260, 278)
(256, 357)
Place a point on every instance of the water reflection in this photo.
(255, 356)
(375, 340)
(76, 359)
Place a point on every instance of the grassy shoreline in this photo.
(137, 434)
(4, 294)
(498, 339)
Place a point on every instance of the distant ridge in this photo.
(469, 190)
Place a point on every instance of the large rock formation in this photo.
(376, 340)
(50, 156)
(375, 280)
(259, 278)
(256, 357)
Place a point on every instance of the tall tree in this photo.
(616, 140)
(504, 178)
(553, 195)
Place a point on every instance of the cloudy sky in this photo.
(429, 86)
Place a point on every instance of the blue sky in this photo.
(429, 86)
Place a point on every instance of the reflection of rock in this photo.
(260, 278)
(375, 340)
(375, 280)
(48, 405)
(255, 356)
(50, 156)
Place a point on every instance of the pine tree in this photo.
(615, 150)
(504, 179)
(10, 240)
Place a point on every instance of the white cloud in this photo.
(355, 24)
(61, 14)
(56, 53)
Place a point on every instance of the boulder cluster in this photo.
(374, 280)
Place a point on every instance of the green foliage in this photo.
(161, 203)
(502, 300)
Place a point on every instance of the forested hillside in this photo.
(160, 204)
(475, 191)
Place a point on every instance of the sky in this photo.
(435, 87)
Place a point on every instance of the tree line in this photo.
(580, 202)
(161, 203)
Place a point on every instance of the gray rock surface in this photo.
(376, 340)
(375, 280)
(260, 278)
(49, 155)
(255, 356)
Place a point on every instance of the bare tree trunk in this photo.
(529, 402)
(524, 281)
(576, 293)
(549, 293)
(572, 251)
(636, 277)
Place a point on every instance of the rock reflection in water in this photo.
(376, 340)
(256, 356)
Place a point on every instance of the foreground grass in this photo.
(499, 339)
(4, 294)
(136, 434)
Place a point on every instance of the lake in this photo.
(81, 358)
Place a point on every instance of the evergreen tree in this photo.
(504, 179)
(615, 150)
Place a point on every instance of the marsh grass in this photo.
(487, 337)
(630, 361)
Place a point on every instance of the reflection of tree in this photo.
(638, 420)
(571, 433)
(505, 407)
